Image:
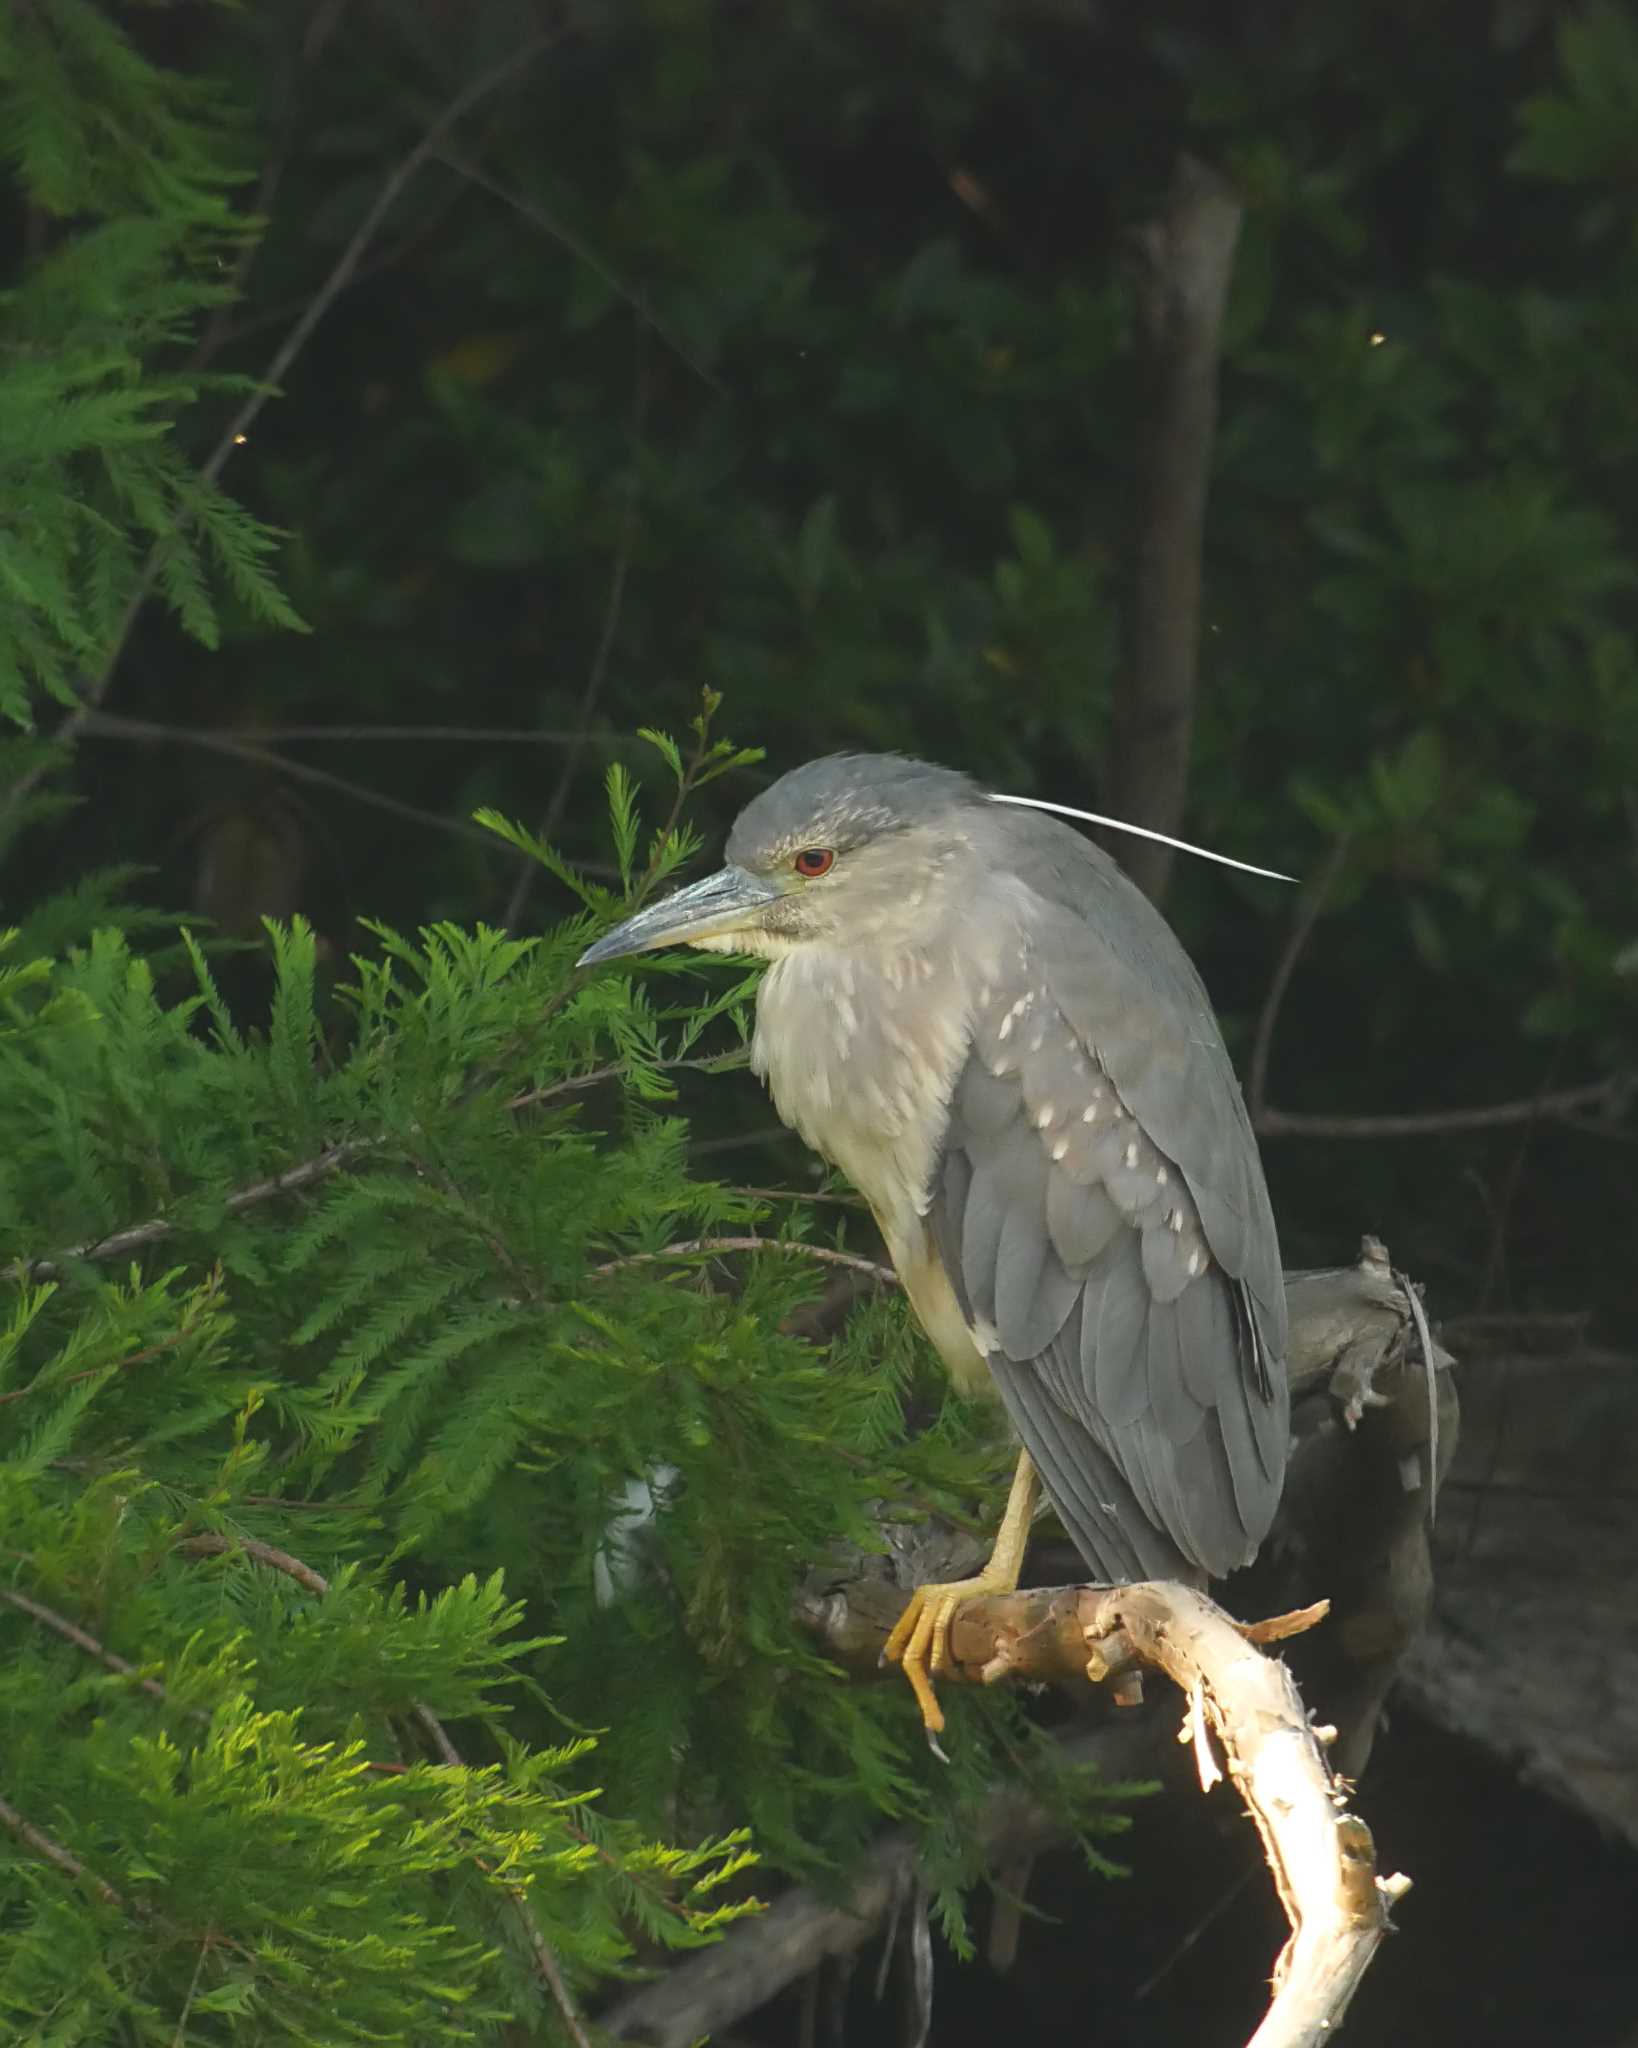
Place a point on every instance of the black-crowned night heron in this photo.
(998, 1039)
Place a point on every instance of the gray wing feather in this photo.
(1101, 1212)
(1114, 1355)
(1033, 1292)
(1096, 1502)
(1177, 1415)
(980, 1239)
(1082, 1221)
(1166, 1257)
(1207, 1331)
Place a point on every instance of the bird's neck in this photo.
(861, 1050)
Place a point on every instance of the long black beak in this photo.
(717, 907)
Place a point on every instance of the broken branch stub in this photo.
(1322, 1856)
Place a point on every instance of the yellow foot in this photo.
(921, 1638)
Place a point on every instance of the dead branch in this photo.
(209, 1544)
(1356, 1352)
(1309, 906)
(82, 1639)
(53, 1852)
(1239, 1701)
(756, 1959)
(157, 1228)
(1322, 1857)
(1186, 257)
(1612, 1095)
(140, 1235)
(98, 724)
(145, 1356)
(1037, 1635)
(697, 1247)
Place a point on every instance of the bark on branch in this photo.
(1241, 1703)
(758, 1958)
(1365, 1398)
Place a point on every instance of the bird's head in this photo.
(842, 852)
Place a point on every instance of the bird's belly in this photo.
(861, 1059)
(939, 1313)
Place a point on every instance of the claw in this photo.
(920, 1642)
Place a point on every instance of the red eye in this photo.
(813, 861)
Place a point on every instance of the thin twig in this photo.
(1611, 1093)
(712, 1063)
(1495, 1265)
(533, 212)
(53, 1851)
(471, 735)
(529, 869)
(342, 273)
(90, 1372)
(82, 1639)
(284, 356)
(97, 724)
(547, 1964)
(1430, 1369)
(321, 26)
(371, 266)
(707, 1992)
(157, 1228)
(179, 2038)
(208, 1544)
(1309, 906)
(1206, 1921)
(708, 1247)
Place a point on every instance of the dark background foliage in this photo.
(789, 352)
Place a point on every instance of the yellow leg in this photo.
(921, 1639)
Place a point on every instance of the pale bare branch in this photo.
(710, 1247)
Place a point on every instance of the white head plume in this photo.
(1036, 803)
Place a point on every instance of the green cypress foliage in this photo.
(126, 171)
(334, 1674)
